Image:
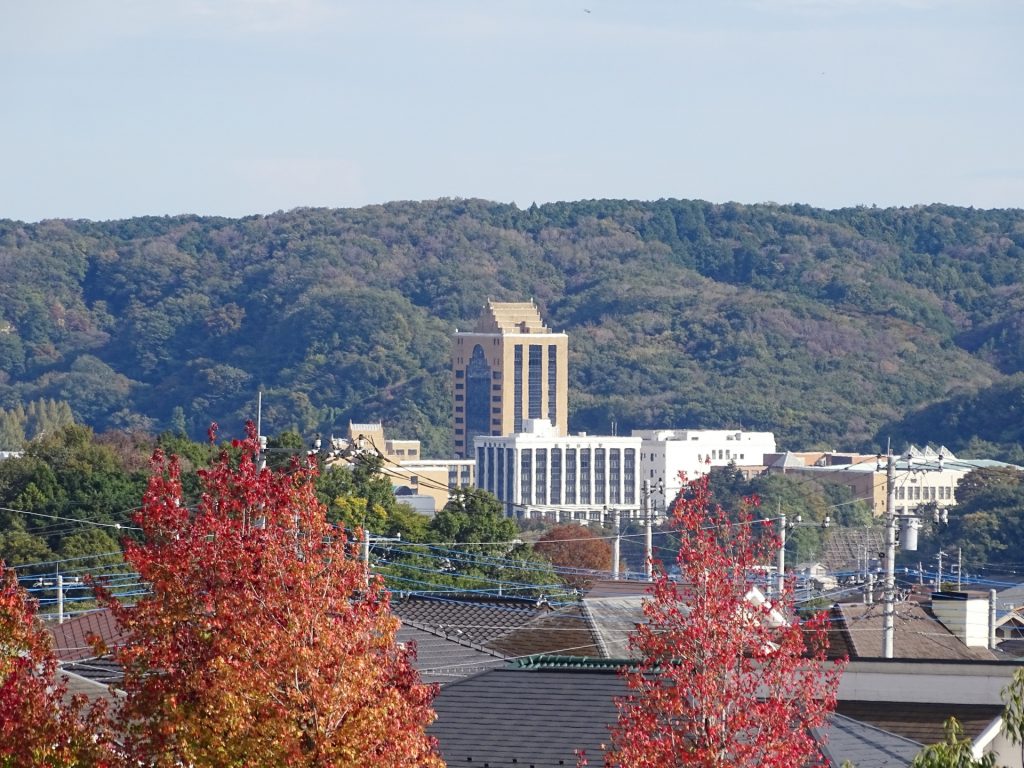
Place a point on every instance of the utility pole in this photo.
(60, 598)
(616, 549)
(781, 564)
(889, 588)
(938, 578)
(959, 566)
(366, 551)
(648, 536)
(260, 439)
(366, 558)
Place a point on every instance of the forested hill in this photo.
(828, 327)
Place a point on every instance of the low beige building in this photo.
(922, 475)
(424, 484)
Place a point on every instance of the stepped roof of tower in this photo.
(511, 317)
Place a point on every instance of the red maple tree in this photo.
(725, 679)
(263, 642)
(39, 723)
(577, 549)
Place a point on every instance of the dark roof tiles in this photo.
(918, 634)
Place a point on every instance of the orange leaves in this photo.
(259, 643)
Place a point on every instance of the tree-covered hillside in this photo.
(824, 326)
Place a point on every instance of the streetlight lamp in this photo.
(784, 526)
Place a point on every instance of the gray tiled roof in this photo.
(614, 620)
(442, 660)
(843, 549)
(91, 688)
(468, 618)
(865, 746)
(538, 716)
(533, 717)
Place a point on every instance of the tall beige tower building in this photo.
(507, 370)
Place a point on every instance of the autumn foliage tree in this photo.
(39, 723)
(725, 679)
(263, 642)
(576, 549)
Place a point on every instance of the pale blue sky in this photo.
(118, 108)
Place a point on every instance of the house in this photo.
(543, 711)
(913, 698)
(858, 629)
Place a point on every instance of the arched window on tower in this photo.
(478, 390)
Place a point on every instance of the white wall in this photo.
(667, 452)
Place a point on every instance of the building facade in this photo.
(922, 476)
(539, 473)
(425, 484)
(511, 368)
(665, 453)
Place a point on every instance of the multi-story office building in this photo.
(509, 369)
(538, 473)
(668, 452)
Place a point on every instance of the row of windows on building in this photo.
(924, 493)
(559, 475)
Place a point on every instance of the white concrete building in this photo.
(538, 473)
(667, 452)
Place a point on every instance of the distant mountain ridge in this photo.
(827, 327)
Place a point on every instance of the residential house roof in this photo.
(526, 717)
(565, 631)
(614, 620)
(472, 618)
(442, 659)
(921, 722)
(917, 634)
(863, 745)
(70, 639)
(844, 549)
(541, 711)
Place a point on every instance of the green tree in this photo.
(988, 516)
(956, 751)
(19, 547)
(476, 518)
(482, 544)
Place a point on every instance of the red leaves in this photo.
(259, 644)
(38, 725)
(726, 678)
